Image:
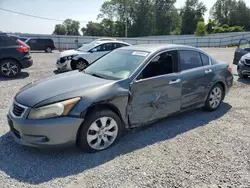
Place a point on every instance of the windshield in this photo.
(118, 64)
(87, 47)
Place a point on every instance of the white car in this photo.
(86, 54)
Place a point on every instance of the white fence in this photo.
(213, 40)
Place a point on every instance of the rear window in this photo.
(9, 41)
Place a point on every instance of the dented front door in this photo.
(154, 98)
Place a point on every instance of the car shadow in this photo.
(22, 75)
(35, 166)
(244, 80)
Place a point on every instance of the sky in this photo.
(81, 10)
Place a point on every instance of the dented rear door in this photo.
(154, 98)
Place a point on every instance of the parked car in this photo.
(128, 87)
(14, 56)
(243, 67)
(85, 55)
(242, 49)
(47, 45)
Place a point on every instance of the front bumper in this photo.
(243, 69)
(65, 66)
(52, 132)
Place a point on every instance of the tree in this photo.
(83, 30)
(210, 26)
(94, 29)
(191, 14)
(72, 27)
(200, 29)
(231, 12)
(59, 30)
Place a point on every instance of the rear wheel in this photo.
(214, 98)
(9, 68)
(100, 131)
(48, 49)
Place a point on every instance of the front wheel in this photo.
(81, 65)
(9, 68)
(214, 98)
(100, 131)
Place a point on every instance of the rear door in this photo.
(242, 49)
(196, 75)
(156, 93)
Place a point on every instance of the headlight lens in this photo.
(70, 57)
(53, 110)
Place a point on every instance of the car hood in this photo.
(66, 83)
(71, 52)
(247, 55)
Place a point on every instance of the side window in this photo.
(8, 41)
(160, 65)
(33, 41)
(119, 45)
(1, 42)
(244, 44)
(189, 59)
(205, 59)
(104, 47)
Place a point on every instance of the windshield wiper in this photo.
(96, 75)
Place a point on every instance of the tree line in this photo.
(136, 18)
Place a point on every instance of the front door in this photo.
(99, 51)
(196, 75)
(242, 49)
(156, 93)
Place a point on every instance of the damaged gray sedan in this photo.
(129, 87)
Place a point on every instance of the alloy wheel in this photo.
(9, 69)
(102, 133)
(81, 65)
(215, 97)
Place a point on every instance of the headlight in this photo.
(242, 60)
(70, 57)
(54, 110)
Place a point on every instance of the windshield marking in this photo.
(144, 54)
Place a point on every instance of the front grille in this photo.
(17, 110)
(247, 62)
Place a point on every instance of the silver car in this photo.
(86, 54)
(127, 88)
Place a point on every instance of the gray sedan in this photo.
(127, 88)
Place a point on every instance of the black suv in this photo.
(41, 44)
(14, 56)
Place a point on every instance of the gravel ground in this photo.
(195, 149)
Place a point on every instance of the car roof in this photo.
(111, 41)
(158, 47)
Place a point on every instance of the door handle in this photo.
(208, 71)
(175, 81)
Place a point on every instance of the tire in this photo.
(79, 65)
(9, 68)
(91, 137)
(48, 49)
(214, 96)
